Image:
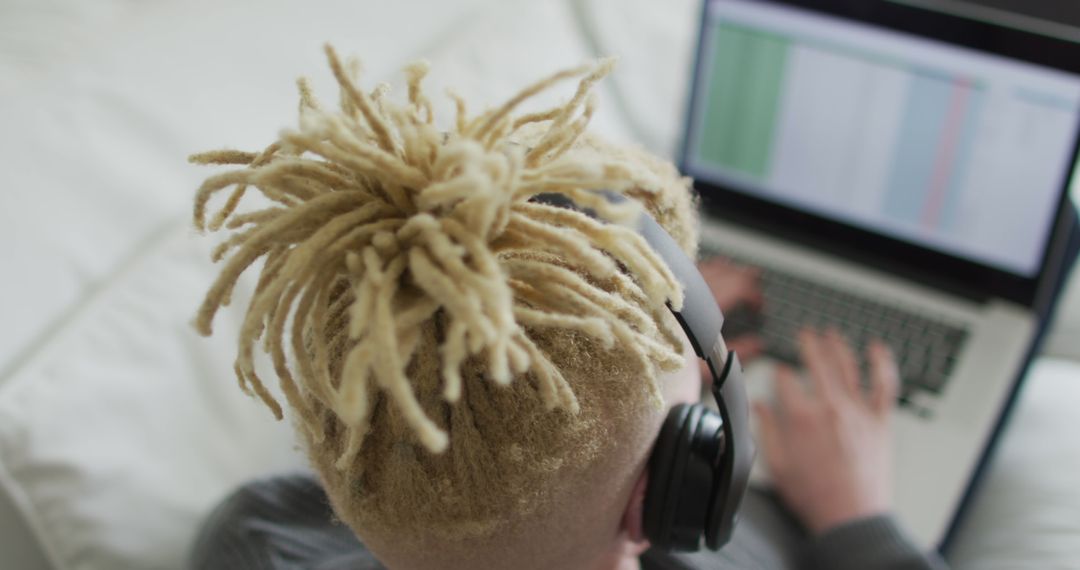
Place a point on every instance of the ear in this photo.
(633, 521)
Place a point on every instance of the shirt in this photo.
(286, 523)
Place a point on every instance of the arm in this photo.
(867, 544)
(828, 446)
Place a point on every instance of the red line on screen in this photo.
(946, 154)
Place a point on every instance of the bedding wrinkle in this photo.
(37, 349)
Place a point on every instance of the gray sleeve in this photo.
(874, 543)
(278, 523)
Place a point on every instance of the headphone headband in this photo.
(709, 463)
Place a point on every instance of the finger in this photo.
(748, 347)
(731, 284)
(749, 287)
(884, 377)
(771, 438)
(715, 269)
(818, 362)
(789, 394)
(845, 362)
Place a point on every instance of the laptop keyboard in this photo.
(926, 347)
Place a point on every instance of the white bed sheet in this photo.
(118, 426)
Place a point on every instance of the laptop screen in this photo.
(942, 146)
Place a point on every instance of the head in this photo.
(478, 378)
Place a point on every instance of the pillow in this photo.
(118, 438)
(655, 42)
(1026, 512)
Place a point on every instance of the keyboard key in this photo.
(926, 348)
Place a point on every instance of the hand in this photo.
(733, 286)
(829, 448)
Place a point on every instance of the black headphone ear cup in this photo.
(666, 466)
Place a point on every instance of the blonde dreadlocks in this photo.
(388, 239)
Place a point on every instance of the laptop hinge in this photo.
(920, 275)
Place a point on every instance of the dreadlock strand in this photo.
(415, 140)
(390, 373)
(299, 220)
(253, 380)
(595, 327)
(404, 173)
(485, 264)
(337, 313)
(574, 130)
(497, 133)
(558, 283)
(450, 256)
(459, 187)
(415, 74)
(354, 441)
(230, 206)
(627, 246)
(320, 178)
(616, 214)
(519, 356)
(461, 116)
(669, 328)
(297, 402)
(569, 309)
(238, 193)
(490, 119)
(357, 156)
(360, 318)
(300, 257)
(453, 353)
(557, 131)
(223, 156)
(274, 261)
(537, 117)
(308, 101)
(416, 311)
(378, 96)
(568, 241)
(553, 389)
(316, 322)
(236, 240)
(499, 360)
(210, 187)
(660, 279)
(317, 380)
(462, 305)
(352, 403)
(253, 218)
(361, 100)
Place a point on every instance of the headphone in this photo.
(700, 466)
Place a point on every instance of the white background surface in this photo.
(119, 427)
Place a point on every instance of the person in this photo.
(478, 379)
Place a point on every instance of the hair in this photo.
(447, 348)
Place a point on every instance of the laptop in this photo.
(898, 173)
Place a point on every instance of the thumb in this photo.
(771, 441)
